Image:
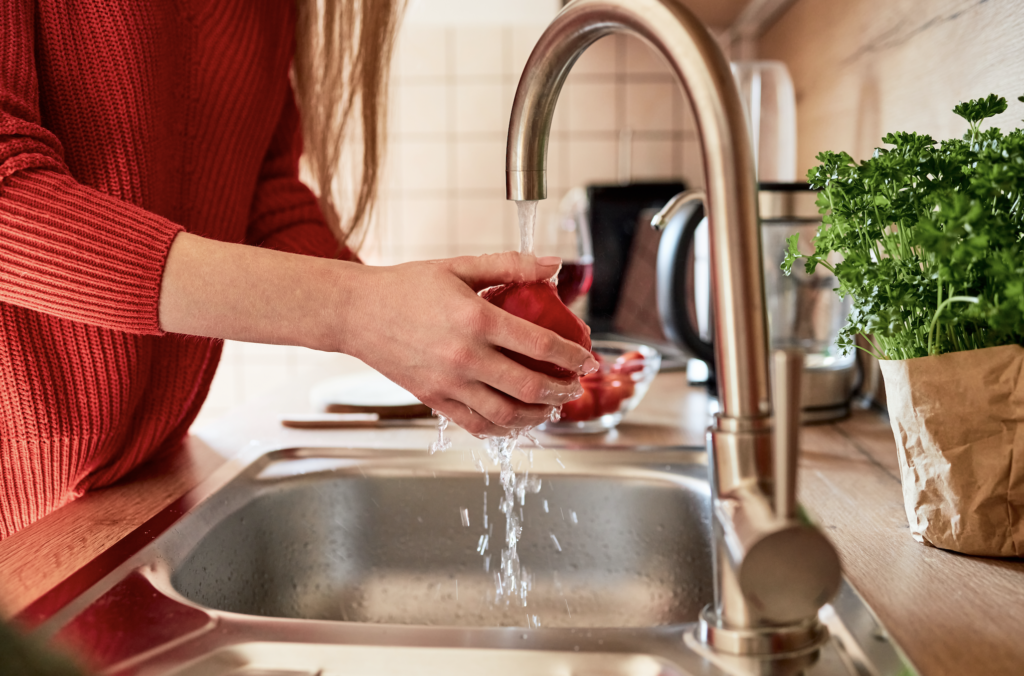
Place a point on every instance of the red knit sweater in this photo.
(121, 124)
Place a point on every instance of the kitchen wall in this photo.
(862, 69)
(620, 117)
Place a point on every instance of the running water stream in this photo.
(511, 579)
(527, 225)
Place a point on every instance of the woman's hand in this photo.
(424, 327)
(420, 324)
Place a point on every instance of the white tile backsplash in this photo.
(649, 105)
(593, 160)
(480, 109)
(593, 106)
(653, 159)
(480, 167)
(478, 223)
(425, 223)
(421, 53)
(423, 166)
(421, 109)
(480, 52)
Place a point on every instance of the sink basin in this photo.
(386, 543)
(300, 560)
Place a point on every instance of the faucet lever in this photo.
(661, 219)
(785, 568)
(789, 369)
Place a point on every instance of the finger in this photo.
(480, 272)
(518, 335)
(502, 410)
(526, 385)
(469, 420)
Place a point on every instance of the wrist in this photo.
(344, 303)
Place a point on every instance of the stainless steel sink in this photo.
(332, 561)
(384, 542)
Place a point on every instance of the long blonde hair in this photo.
(342, 61)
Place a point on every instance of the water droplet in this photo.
(443, 443)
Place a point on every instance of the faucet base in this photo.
(767, 641)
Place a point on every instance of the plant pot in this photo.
(958, 419)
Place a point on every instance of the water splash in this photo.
(443, 443)
(510, 580)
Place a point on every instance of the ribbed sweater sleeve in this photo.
(66, 249)
(285, 213)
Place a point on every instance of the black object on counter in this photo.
(612, 214)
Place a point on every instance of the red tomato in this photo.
(631, 362)
(581, 409)
(593, 383)
(612, 392)
(538, 302)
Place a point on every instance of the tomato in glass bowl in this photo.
(625, 374)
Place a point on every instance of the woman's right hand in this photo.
(424, 326)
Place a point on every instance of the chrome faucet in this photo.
(772, 572)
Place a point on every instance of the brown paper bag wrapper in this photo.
(958, 419)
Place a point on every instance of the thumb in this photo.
(480, 272)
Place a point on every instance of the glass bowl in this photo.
(626, 372)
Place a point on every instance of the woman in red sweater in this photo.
(150, 206)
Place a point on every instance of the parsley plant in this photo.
(931, 238)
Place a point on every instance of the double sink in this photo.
(347, 561)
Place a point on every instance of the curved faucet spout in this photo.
(737, 284)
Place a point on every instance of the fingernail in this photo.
(590, 366)
(549, 260)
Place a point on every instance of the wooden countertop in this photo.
(951, 614)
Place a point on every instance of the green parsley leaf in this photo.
(932, 237)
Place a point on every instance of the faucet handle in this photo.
(675, 205)
(789, 569)
(789, 369)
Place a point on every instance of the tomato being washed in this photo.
(580, 409)
(538, 302)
